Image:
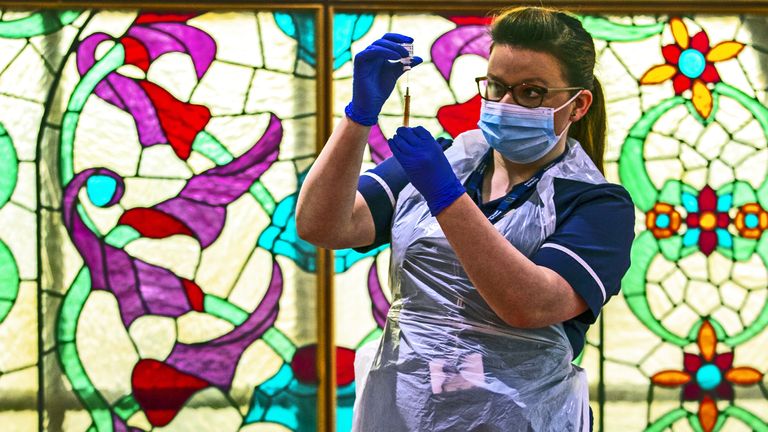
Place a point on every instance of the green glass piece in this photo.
(726, 252)
(121, 235)
(66, 332)
(670, 192)
(633, 288)
(693, 420)
(671, 247)
(67, 137)
(126, 407)
(667, 420)
(373, 335)
(264, 197)
(83, 387)
(756, 423)
(9, 280)
(106, 65)
(577, 361)
(759, 324)
(743, 193)
(87, 220)
(632, 170)
(9, 166)
(743, 248)
(280, 343)
(604, 29)
(210, 147)
(223, 309)
(66, 327)
(39, 23)
(5, 308)
(760, 113)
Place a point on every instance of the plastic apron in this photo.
(445, 361)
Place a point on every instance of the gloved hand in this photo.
(374, 77)
(423, 161)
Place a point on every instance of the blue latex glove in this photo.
(427, 168)
(374, 77)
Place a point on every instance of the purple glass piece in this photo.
(122, 282)
(725, 391)
(199, 45)
(140, 288)
(162, 290)
(205, 221)
(86, 51)
(379, 146)
(470, 39)
(222, 185)
(380, 305)
(691, 391)
(200, 205)
(106, 91)
(156, 41)
(215, 361)
(125, 93)
(141, 108)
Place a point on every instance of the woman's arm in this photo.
(330, 212)
(578, 267)
(521, 293)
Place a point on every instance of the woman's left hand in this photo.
(427, 168)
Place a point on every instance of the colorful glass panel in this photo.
(149, 168)
(169, 155)
(681, 347)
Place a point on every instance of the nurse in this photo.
(506, 243)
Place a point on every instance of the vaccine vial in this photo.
(407, 60)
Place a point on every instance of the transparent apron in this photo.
(445, 361)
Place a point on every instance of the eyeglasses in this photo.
(527, 95)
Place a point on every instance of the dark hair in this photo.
(561, 35)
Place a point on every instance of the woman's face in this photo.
(512, 65)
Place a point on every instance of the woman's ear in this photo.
(581, 105)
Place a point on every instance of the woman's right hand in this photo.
(374, 77)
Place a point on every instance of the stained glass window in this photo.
(166, 155)
(684, 345)
(151, 276)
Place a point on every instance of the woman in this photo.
(505, 246)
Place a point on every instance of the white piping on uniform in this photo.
(384, 185)
(583, 263)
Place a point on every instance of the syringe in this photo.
(407, 67)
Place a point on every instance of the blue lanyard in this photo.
(512, 200)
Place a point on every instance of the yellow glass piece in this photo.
(724, 51)
(707, 341)
(658, 74)
(671, 378)
(105, 347)
(708, 221)
(702, 99)
(680, 32)
(743, 376)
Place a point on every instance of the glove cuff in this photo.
(445, 197)
(349, 110)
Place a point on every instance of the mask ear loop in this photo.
(573, 98)
(573, 114)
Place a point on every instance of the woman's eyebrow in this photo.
(530, 80)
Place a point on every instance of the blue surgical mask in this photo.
(522, 135)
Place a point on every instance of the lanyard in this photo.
(475, 181)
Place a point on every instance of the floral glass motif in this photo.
(695, 172)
